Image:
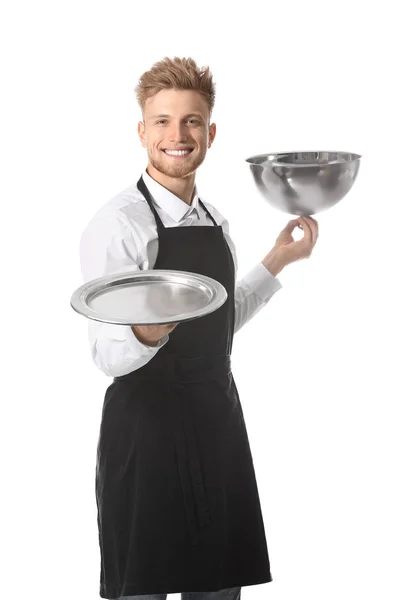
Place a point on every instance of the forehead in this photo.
(175, 103)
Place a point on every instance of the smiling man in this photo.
(177, 498)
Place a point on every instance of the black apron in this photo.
(177, 499)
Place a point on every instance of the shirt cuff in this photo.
(262, 282)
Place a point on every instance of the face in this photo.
(173, 120)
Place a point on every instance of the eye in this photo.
(161, 121)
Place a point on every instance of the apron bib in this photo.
(176, 492)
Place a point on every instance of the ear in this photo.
(142, 134)
(212, 131)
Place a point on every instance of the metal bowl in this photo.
(304, 183)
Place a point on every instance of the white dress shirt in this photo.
(122, 236)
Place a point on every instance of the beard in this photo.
(177, 168)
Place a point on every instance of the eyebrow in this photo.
(185, 117)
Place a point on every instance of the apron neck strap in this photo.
(142, 187)
(208, 213)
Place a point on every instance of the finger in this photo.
(305, 225)
(313, 225)
(309, 218)
(291, 225)
(314, 221)
(308, 233)
(316, 229)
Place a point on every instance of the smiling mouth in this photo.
(179, 153)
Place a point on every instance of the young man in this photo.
(177, 498)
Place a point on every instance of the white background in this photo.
(316, 369)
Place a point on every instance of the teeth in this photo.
(177, 152)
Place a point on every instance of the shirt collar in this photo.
(176, 208)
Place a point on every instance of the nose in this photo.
(177, 132)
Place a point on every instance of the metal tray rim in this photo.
(81, 296)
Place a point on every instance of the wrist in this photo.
(274, 263)
(144, 339)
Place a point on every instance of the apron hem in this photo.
(132, 590)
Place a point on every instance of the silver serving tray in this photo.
(152, 297)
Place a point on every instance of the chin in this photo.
(179, 173)
(176, 171)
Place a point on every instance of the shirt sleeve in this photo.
(253, 292)
(255, 289)
(107, 247)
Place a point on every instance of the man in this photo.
(178, 505)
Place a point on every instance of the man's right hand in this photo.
(150, 335)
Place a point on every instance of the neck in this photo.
(183, 187)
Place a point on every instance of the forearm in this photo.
(116, 350)
(143, 339)
(273, 263)
(152, 335)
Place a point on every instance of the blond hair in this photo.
(179, 74)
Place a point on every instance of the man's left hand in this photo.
(287, 250)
